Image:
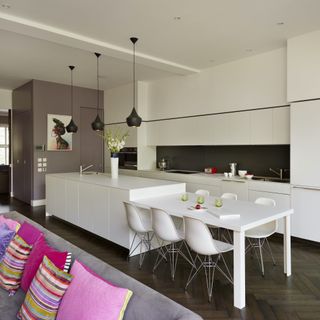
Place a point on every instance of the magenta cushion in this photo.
(12, 224)
(61, 260)
(90, 298)
(29, 233)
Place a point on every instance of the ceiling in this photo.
(40, 38)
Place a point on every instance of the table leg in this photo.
(287, 246)
(239, 270)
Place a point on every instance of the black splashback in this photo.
(255, 159)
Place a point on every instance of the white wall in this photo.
(5, 99)
(254, 82)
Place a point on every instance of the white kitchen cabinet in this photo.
(281, 125)
(267, 126)
(118, 227)
(72, 202)
(303, 67)
(306, 218)
(305, 151)
(231, 129)
(187, 131)
(56, 203)
(94, 208)
(214, 190)
(239, 187)
(261, 124)
(283, 201)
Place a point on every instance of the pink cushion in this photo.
(89, 297)
(29, 233)
(40, 249)
(12, 224)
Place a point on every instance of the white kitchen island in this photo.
(94, 202)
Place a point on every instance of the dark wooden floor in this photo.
(271, 297)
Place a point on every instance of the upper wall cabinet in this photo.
(269, 126)
(261, 126)
(304, 67)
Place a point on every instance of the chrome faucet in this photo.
(280, 173)
(82, 170)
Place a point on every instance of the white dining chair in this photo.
(258, 237)
(166, 232)
(199, 239)
(140, 224)
(229, 196)
(201, 192)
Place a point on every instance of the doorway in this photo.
(5, 151)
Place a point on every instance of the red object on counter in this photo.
(214, 170)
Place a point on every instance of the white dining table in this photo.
(236, 215)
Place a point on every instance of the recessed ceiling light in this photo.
(5, 5)
(177, 18)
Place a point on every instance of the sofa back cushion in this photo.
(45, 293)
(90, 297)
(61, 260)
(13, 263)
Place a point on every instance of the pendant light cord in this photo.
(71, 89)
(98, 100)
(134, 75)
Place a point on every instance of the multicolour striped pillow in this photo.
(13, 263)
(45, 292)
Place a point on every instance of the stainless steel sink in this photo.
(181, 171)
(271, 179)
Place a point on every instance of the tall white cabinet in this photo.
(305, 176)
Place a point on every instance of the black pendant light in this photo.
(97, 124)
(71, 127)
(134, 120)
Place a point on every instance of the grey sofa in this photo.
(145, 304)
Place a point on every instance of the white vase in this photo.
(114, 167)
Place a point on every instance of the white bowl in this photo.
(249, 176)
(242, 173)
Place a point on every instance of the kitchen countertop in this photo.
(212, 180)
(126, 182)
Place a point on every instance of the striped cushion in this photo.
(13, 263)
(45, 293)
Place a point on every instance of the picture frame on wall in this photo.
(58, 139)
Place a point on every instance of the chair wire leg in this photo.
(158, 259)
(131, 245)
(273, 260)
(142, 254)
(228, 276)
(209, 268)
(173, 258)
(195, 272)
(261, 257)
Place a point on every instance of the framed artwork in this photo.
(58, 137)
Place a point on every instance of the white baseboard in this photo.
(37, 203)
